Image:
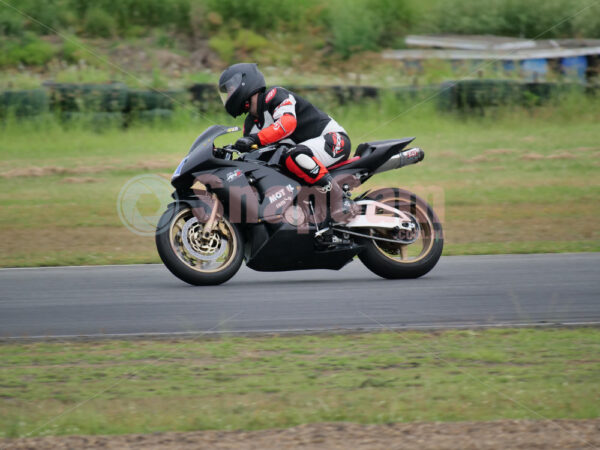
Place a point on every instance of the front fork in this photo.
(205, 206)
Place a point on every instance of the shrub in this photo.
(7, 53)
(146, 13)
(224, 46)
(99, 23)
(248, 41)
(72, 50)
(531, 19)
(291, 15)
(238, 44)
(354, 26)
(36, 52)
(45, 13)
(394, 18)
(29, 50)
(11, 23)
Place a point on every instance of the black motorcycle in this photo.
(230, 207)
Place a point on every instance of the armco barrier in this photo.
(70, 97)
(98, 100)
(24, 103)
(206, 96)
(475, 94)
(470, 95)
(143, 100)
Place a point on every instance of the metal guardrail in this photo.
(72, 100)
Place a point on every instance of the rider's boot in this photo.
(341, 209)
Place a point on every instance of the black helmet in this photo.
(237, 84)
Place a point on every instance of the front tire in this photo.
(398, 261)
(190, 257)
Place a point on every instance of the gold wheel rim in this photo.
(403, 252)
(224, 229)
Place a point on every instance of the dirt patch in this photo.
(499, 151)
(587, 149)
(45, 171)
(514, 434)
(53, 170)
(78, 180)
(480, 159)
(532, 157)
(558, 155)
(152, 165)
(448, 154)
(562, 155)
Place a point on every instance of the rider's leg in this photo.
(332, 149)
(302, 163)
(308, 162)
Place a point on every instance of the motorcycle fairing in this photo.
(268, 236)
(269, 195)
(201, 153)
(373, 154)
(269, 250)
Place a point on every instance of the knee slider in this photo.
(305, 161)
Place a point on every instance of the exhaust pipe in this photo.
(404, 158)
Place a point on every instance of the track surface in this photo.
(147, 299)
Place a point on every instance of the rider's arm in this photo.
(282, 106)
(248, 124)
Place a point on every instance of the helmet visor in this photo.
(229, 87)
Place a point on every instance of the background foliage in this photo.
(339, 27)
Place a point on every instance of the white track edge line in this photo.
(500, 255)
(302, 330)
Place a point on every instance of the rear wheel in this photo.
(194, 258)
(422, 248)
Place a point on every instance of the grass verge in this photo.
(512, 181)
(115, 387)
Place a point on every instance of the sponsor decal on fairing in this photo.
(233, 175)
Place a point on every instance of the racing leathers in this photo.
(317, 141)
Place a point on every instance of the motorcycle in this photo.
(231, 207)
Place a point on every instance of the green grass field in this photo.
(512, 181)
(139, 386)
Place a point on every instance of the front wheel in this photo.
(192, 257)
(423, 248)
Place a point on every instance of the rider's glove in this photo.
(219, 153)
(244, 144)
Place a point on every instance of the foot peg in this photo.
(326, 238)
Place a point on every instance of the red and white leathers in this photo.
(318, 140)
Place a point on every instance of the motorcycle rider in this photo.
(278, 115)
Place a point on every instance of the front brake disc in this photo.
(185, 237)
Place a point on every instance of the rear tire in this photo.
(198, 262)
(392, 261)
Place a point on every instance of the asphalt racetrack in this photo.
(462, 291)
